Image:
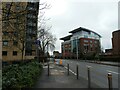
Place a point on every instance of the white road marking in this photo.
(113, 72)
(88, 66)
(71, 71)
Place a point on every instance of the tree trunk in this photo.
(22, 55)
(23, 51)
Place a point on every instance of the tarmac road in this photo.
(98, 72)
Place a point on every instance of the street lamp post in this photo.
(48, 59)
(37, 47)
(77, 47)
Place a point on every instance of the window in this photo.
(4, 53)
(30, 23)
(29, 15)
(91, 49)
(5, 33)
(95, 42)
(8, 5)
(5, 43)
(85, 36)
(15, 43)
(14, 53)
(34, 16)
(15, 34)
(85, 40)
(90, 41)
(31, 8)
(5, 24)
(18, 7)
(30, 30)
(28, 52)
(86, 47)
(34, 24)
(91, 45)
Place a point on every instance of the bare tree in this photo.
(13, 23)
(45, 37)
(14, 20)
(46, 40)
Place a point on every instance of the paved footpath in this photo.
(59, 79)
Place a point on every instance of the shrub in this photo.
(20, 75)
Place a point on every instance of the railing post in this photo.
(89, 79)
(48, 70)
(68, 68)
(110, 81)
(77, 71)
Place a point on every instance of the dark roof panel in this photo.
(66, 38)
(83, 29)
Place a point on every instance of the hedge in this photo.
(20, 75)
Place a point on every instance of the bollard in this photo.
(89, 79)
(110, 81)
(77, 71)
(68, 68)
(48, 70)
(43, 61)
(60, 62)
(54, 61)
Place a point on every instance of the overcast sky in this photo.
(100, 16)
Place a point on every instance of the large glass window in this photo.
(85, 36)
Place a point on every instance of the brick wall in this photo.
(116, 42)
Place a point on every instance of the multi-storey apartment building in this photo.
(82, 43)
(19, 30)
(0, 34)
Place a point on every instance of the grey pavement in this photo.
(59, 79)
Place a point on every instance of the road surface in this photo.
(98, 72)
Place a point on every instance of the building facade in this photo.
(82, 43)
(66, 47)
(19, 30)
(116, 42)
(0, 33)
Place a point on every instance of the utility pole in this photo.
(77, 47)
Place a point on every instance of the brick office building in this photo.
(82, 43)
(116, 42)
(66, 47)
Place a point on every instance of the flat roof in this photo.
(66, 38)
(116, 31)
(83, 29)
